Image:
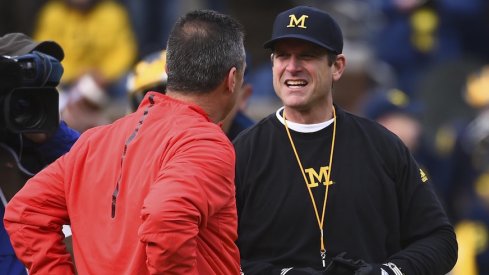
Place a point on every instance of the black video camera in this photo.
(28, 97)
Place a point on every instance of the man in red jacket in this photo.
(152, 193)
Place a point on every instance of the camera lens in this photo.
(27, 113)
(31, 109)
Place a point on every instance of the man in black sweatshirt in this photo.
(321, 191)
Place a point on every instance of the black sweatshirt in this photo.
(380, 208)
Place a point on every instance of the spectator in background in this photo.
(100, 48)
(401, 114)
(96, 36)
(148, 75)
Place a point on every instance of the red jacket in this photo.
(151, 193)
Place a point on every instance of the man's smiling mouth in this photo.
(295, 83)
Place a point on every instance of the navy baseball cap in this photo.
(309, 24)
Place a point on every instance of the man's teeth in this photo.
(295, 83)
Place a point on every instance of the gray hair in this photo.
(202, 47)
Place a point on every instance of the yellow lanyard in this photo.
(328, 176)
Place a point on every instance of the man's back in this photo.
(130, 207)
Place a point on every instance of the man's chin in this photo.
(294, 102)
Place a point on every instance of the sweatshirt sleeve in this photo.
(428, 239)
(193, 184)
(34, 218)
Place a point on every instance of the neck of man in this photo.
(205, 101)
(313, 115)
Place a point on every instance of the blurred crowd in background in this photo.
(419, 67)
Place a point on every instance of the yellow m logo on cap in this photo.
(294, 22)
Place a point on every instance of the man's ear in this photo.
(232, 79)
(339, 67)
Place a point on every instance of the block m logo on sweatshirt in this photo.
(315, 178)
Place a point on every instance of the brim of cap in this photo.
(52, 48)
(269, 44)
(47, 47)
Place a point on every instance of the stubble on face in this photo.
(301, 74)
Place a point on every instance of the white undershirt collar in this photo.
(303, 128)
